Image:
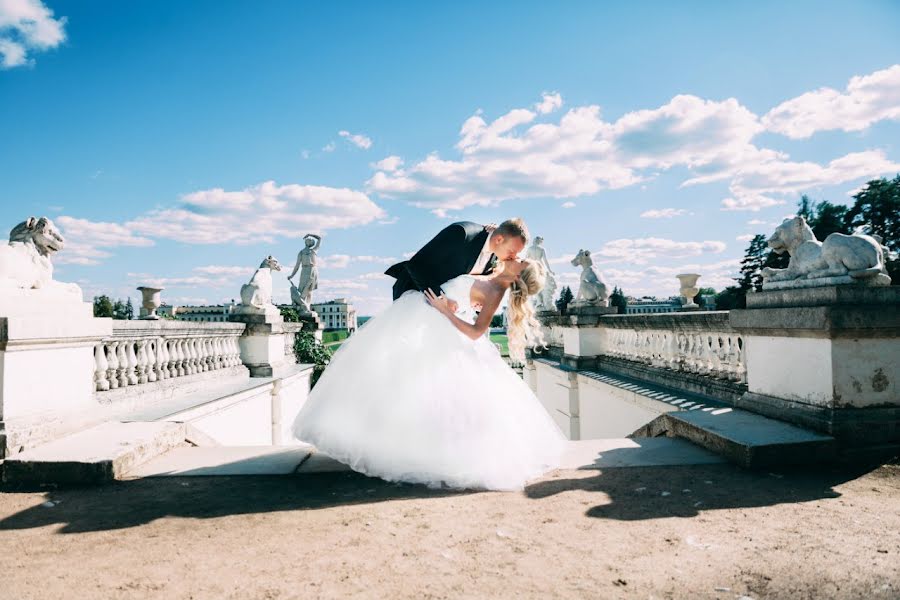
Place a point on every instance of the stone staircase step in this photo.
(225, 460)
(747, 439)
(95, 455)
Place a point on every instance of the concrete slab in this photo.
(94, 455)
(627, 452)
(225, 460)
(746, 438)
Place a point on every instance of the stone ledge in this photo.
(852, 427)
(96, 455)
(749, 440)
(824, 296)
(870, 320)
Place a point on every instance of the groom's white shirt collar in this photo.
(484, 257)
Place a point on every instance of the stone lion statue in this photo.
(258, 291)
(25, 263)
(856, 258)
(592, 289)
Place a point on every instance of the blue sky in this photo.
(179, 144)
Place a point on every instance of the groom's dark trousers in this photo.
(450, 253)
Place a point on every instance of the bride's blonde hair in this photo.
(523, 329)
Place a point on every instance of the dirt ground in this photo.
(667, 532)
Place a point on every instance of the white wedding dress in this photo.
(408, 397)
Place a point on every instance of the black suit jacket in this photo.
(450, 253)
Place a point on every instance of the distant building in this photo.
(639, 306)
(337, 314)
(210, 314)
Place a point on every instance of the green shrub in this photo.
(309, 350)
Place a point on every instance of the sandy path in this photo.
(585, 534)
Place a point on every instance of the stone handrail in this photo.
(702, 343)
(145, 351)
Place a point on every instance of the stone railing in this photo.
(701, 343)
(140, 352)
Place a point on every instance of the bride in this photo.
(419, 394)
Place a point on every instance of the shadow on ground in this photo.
(675, 491)
(622, 494)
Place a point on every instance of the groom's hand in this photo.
(490, 227)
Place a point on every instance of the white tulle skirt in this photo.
(410, 398)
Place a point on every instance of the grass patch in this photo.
(338, 335)
(503, 340)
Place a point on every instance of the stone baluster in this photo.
(131, 369)
(150, 350)
(122, 364)
(161, 362)
(113, 360)
(178, 357)
(140, 355)
(101, 365)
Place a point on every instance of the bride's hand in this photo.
(439, 302)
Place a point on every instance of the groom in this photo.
(463, 247)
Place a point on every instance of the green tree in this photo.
(752, 264)
(731, 297)
(309, 350)
(876, 208)
(128, 310)
(617, 299)
(497, 321)
(565, 297)
(118, 310)
(704, 291)
(103, 306)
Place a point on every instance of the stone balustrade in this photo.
(698, 343)
(141, 352)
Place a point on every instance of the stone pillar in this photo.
(583, 338)
(46, 364)
(827, 358)
(262, 343)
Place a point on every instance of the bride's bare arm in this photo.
(472, 330)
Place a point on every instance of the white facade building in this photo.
(336, 314)
(210, 314)
(652, 305)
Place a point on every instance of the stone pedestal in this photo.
(263, 341)
(826, 358)
(582, 339)
(46, 361)
(312, 323)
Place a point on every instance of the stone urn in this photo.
(689, 289)
(151, 301)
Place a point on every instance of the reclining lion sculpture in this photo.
(25, 263)
(840, 259)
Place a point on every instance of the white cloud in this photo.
(329, 147)
(85, 240)
(514, 157)
(550, 101)
(358, 140)
(753, 222)
(304, 154)
(568, 205)
(334, 261)
(260, 213)
(27, 25)
(753, 186)
(745, 238)
(663, 213)
(866, 100)
(642, 250)
(389, 164)
(661, 281)
(753, 203)
(229, 271)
